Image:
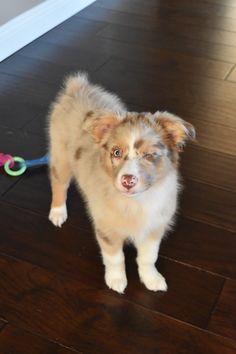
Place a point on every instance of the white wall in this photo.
(12, 8)
(36, 18)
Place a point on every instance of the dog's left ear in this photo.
(175, 130)
(101, 127)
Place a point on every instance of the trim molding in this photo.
(33, 23)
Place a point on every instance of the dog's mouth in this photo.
(130, 193)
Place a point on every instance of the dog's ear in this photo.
(175, 130)
(101, 127)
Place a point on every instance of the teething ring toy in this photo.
(18, 172)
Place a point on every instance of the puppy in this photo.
(125, 165)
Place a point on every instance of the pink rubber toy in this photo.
(4, 158)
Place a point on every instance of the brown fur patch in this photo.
(138, 143)
(134, 118)
(78, 153)
(102, 127)
(89, 114)
(176, 130)
(105, 146)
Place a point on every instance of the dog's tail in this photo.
(75, 82)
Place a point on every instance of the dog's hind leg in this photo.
(60, 175)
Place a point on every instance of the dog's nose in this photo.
(129, 181)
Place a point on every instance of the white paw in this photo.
(58, 215)
(152, 279)
(116, 282)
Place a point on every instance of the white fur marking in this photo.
(147, 256)
(151, 278)
(115, 276)
(58, 215)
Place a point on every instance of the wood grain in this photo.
(69, 312)
(208, 204)
(203, 246)
(191, 100)
(183, 6)
(149, 56)
(157, 22)
(210, 21)
(223, 319)
(14, 340)
(208, 166)
(167, 40)
(232, 75)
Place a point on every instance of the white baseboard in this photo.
(31, 24)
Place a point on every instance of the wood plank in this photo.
(206, 21)
(230, 3)
(183, 6)
(201, 99)
(75, 253)
(165, 40)
(37, 126)
(208, 204)
(15, 116)
(44, 71)
(232, 75)
(223, 319)
(202, 246)
(81, 26)
(24, 90)
(159, 23)
(177, 276)
(215, 137)
(161, 57)
(68, 312)
(39, 200)
(68, 58)
(17, 341)
(214, 168)
(2, 325)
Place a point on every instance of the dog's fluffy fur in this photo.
(125, 165)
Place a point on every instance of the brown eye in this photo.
(117, 153)
(148, 157)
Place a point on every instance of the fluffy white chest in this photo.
(159, 205)
(136, 217)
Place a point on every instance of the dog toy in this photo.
(4, 158)
(8, 162)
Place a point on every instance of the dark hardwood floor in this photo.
(168, 55)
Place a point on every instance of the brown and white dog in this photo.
(125, 164)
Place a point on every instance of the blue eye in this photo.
(117, 152)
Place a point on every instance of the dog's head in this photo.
(139, 150)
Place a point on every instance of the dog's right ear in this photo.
(101, 127)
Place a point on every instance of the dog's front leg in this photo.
(148, 249)
(113, 260)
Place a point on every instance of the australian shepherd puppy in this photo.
(125, 164)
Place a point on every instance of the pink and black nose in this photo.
(129, 181)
